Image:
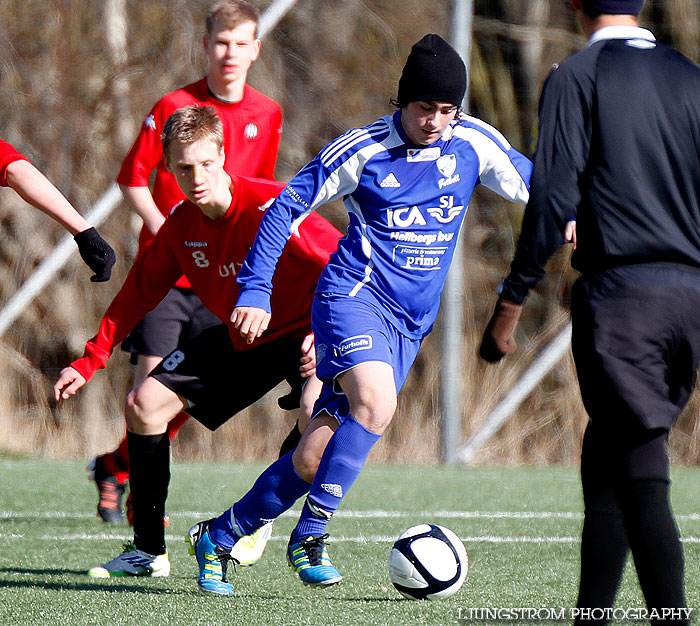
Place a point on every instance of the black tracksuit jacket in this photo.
(619, 151)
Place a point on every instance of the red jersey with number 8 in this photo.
(210, 253)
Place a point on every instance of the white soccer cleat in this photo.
(248, 549)
(133, 562)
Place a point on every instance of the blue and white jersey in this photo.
(406, 204)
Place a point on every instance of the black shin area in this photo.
(651, 528)
(604, 539)
(149, 457)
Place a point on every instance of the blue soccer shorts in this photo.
(349, 331)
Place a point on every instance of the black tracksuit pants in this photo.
(636, 345)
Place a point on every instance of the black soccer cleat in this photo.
(110, 490)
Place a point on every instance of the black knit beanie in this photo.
(612, 7)
(434, 72)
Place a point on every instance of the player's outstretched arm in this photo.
(250, 321)
(67, 384)
(37, 190)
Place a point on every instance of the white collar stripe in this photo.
(621, 32)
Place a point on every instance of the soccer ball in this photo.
(428, 562)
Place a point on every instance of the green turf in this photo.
(49, 538)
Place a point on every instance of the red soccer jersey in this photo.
(8, 155)
(252, 129)
(252, 132)
(210, 253)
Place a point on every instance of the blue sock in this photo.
(275, 491)
(341, 464)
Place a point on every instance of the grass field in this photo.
(520, 527)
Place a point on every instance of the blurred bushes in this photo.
(74, 91)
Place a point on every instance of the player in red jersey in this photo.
(218, 373)
(252, 127)
(33, 187)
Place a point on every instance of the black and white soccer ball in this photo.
(428, 562)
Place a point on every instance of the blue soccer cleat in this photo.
(309, 558)
(212, 560)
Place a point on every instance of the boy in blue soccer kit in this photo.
(406, 181)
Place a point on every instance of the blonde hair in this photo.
(191, 124)
(228, 14)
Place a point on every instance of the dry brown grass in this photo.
(331, 65)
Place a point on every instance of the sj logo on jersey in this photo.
(405, 217)
(447, 203)
(447, 164)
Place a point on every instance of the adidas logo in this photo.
(333, 489)
(390, 181)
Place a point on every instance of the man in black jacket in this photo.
(618, 151)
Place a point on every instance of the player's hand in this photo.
(498, 336)
(250, 321)
(97, 254)
(308, 356)
(570, 233)
(67, 384)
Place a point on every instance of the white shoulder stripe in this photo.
(344, 179)
(351, 144)
(350, 139)
(345, 147)
(340, 141)
(484, 126)
(348, 136)
(496, 170)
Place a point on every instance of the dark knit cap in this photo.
(612, 7)
(434, 72)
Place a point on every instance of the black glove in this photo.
(498, 336)
(97, 254)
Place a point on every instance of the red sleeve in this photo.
(8, 155)
(267, 167)
(153, 274)
(146, 152)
